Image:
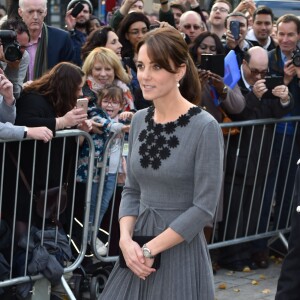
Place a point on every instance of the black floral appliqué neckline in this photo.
(155, 146)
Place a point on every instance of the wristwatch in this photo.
(225, 89)
(25, 132)
(147, 252)
(224, 92)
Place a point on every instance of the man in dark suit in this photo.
(48, 45)
(289, 280)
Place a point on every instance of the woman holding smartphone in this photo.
(215, 93)
(48, 101)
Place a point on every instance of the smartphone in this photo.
(153, 26)
(77, 9)
(213, 63)
(127, 61)
(83, 103)
(234, 27)
(271, 83)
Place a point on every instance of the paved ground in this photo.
(255, 285)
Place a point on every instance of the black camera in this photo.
(296, 57)
(11, 47)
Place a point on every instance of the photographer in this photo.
(237, 27)
(251, 147)
(14, 68)
(77, 25)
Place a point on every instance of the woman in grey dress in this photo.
(173, 183)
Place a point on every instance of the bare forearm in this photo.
(166, 240)
(126, 227)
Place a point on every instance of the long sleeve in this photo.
(7, 119)
(131, 191)
(34, 110)
(207, 183)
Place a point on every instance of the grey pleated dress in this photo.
(174, 180)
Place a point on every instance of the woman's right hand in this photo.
(74, 117)
(135, 259)
(40, 133)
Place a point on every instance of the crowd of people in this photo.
(149, 68)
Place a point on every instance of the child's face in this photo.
(111, 106)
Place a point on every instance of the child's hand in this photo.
(125, 128)
(85, 126)
(96, 127)
(125, 115)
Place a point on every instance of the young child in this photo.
(105, 119)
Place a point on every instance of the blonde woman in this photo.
(102, 67)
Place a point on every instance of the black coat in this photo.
(255, 109)
(288, 287)
(34, 110)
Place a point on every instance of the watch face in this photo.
(146, 252)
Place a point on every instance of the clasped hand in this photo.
(135, 260)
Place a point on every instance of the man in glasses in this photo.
(247, 162)
(191, 24)
(218, 13)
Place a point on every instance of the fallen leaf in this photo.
(222, 286)
(246, 269)
(266, 291)
(261, 276)
(236, 290)
(230, 273)
(254, 282)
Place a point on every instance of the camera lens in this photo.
(296, 58)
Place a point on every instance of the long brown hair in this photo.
(59, 86)
(165, 45)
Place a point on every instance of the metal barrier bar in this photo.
(254, 222)
(15, 170)
(256, 225)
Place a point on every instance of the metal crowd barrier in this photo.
(41, 288)
(267, 212)
(260, 168)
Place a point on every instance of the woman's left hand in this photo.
(282, 92)
(74, 117)
(136, 262)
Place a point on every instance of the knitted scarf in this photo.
(41, 57)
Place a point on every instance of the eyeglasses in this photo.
(221, 9)
(112, 103)
(211, 48)
(256, 72)
(136, 31)
(195, 26)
